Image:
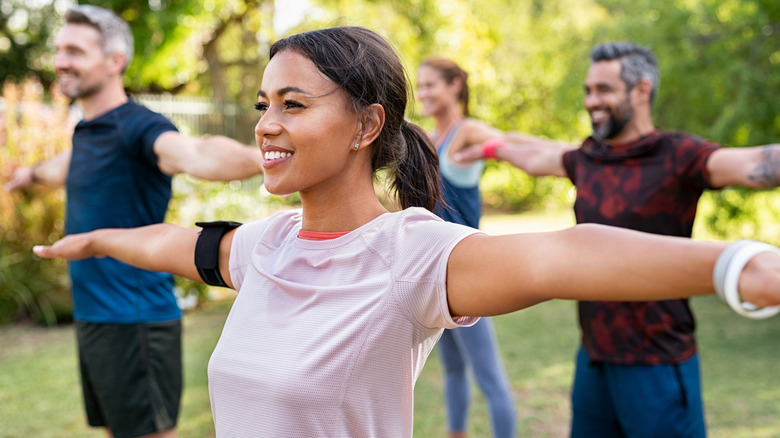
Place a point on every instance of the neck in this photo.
(322, 214)
(109, 97)
(343, 204)
(447, 119)
(638, 128)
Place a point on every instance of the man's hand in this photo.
(22, 178)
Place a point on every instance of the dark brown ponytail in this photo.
(416, 181)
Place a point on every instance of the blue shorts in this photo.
(637, 401)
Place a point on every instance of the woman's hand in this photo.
(71, 247)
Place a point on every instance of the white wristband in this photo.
(726, 274)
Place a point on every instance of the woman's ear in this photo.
(371, 125)
(457, 84)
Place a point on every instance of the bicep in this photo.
(490, 275)
(473, 132)
(757, 167)
(173, 150)
(225, 246)
(535, 158)
(494, 266)
(56, 169)
(174, 252)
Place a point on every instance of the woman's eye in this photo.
(261, 107)
(289, 104)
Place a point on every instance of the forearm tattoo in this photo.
(767, 172)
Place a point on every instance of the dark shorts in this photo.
(131, 375)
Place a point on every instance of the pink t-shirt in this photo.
(327, 338)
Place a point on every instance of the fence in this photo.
(200, 116)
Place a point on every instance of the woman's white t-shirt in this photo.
(327, 338)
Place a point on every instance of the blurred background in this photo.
(201, 62)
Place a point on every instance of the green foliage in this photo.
(504, 188)
(214, 48)
(24, 35)
(739, 213)
(31, 131)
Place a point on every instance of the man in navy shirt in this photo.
(118, 175)
(637, 372)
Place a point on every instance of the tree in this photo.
(214, 48)
(24, 36)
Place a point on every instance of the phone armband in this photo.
(207, 250)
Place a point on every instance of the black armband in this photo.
(207, 250)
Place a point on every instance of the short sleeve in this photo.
(156, 126)
(569, 162)
(692, 154)
(141, 127)
(244, 240)
(421, 264)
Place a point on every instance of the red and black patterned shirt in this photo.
(653, 185)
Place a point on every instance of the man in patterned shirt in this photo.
(637, 372)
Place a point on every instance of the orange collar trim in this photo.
(320, 235)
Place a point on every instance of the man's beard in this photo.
(618, 119)
(81, 91)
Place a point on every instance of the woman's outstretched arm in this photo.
(159, 247)
(490, 275)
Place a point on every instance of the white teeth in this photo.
(598, 115)
(275, 155)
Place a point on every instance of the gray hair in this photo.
(637, 63)
(114, 31)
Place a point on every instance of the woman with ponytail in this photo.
(443, 90)
(340, 302)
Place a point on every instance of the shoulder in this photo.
(136, 113)
(474, 127)
(271, 229)
(678, 137)
(686, 143)
(423, 240)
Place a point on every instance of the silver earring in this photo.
(357, 145)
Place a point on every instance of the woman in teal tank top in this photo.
(443, 92)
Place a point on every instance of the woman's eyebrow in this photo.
(283, 91)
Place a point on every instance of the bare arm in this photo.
(533, 155)
(215, 158)
(757, 167)
(592, 262)
(472, 132)
(159, 248)
(53, 171)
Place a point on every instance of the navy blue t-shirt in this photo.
(114, 182)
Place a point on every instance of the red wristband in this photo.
(489, 147)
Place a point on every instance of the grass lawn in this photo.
(40, 392)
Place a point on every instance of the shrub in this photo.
(31, 130)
